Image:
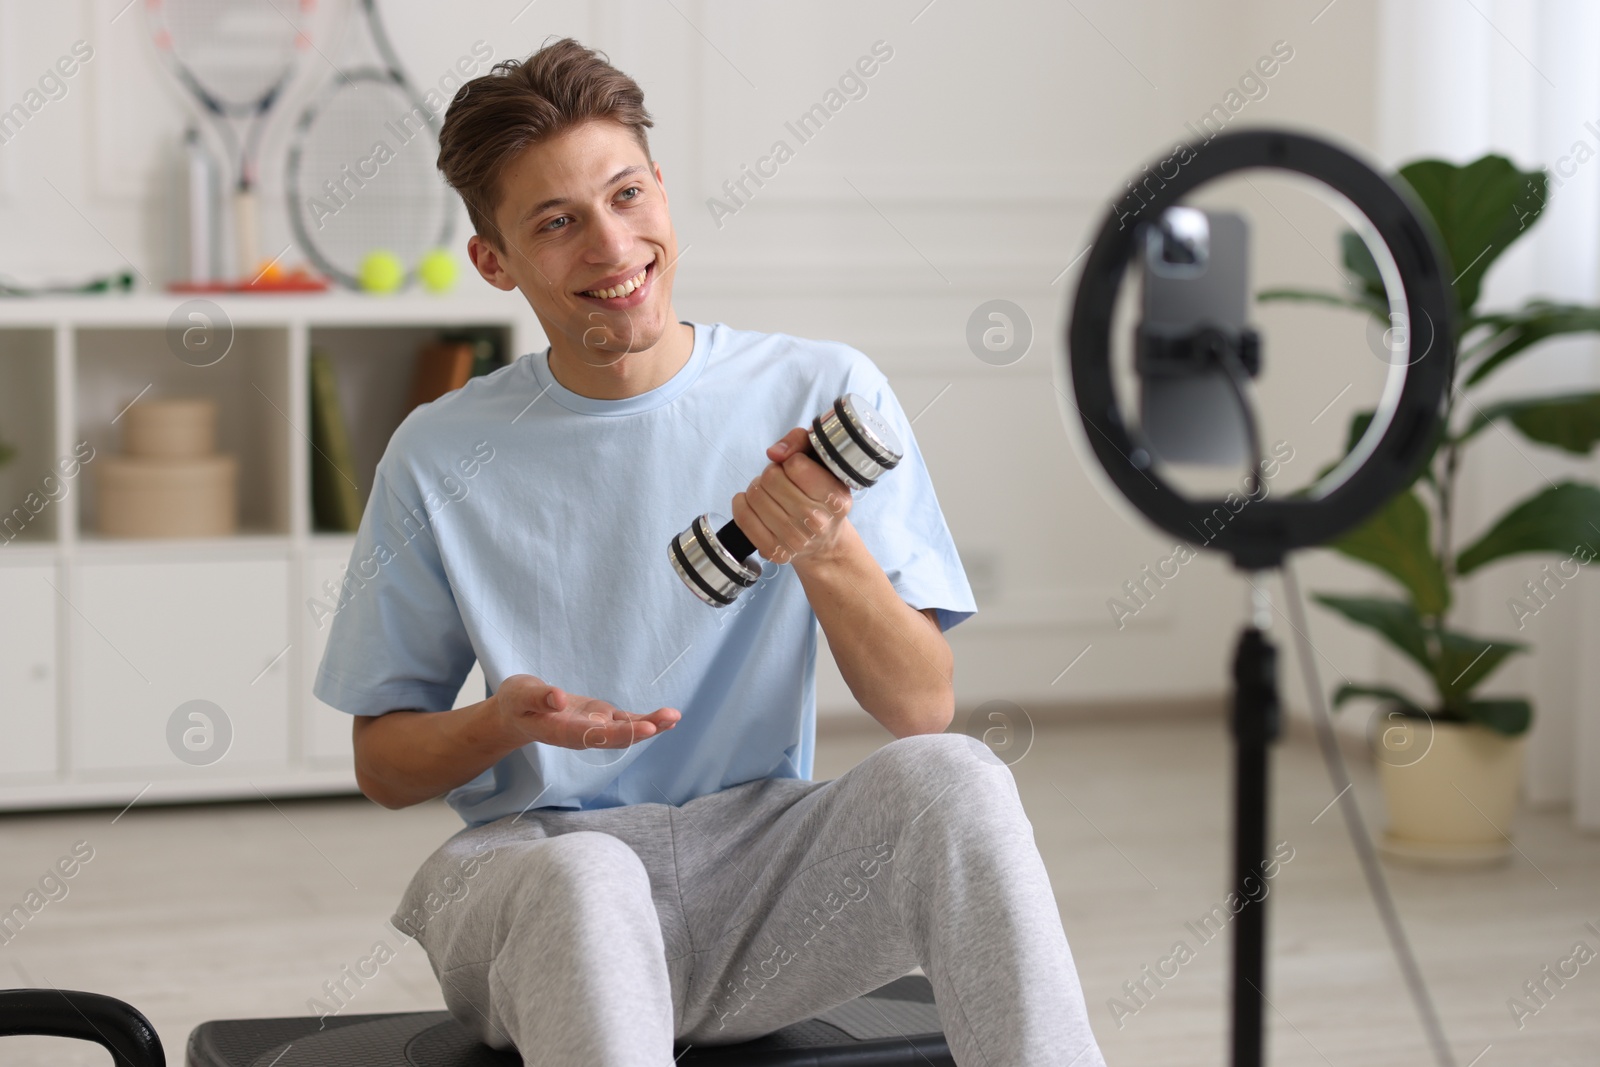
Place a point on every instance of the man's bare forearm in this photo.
(406, 757)
(898, 665)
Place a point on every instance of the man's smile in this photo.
(624, 290)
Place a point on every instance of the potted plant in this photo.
(1450, 762)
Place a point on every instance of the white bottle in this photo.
(203, 248)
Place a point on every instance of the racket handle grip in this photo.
(247, 235)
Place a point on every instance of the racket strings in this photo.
(365, 176)
(239, 53)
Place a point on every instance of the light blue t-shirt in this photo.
(519, 524)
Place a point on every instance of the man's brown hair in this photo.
(522, 102)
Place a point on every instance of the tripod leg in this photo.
(1255, 727)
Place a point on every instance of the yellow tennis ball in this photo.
(381, 272)
(437, 271)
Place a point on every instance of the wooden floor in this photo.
(223, 911)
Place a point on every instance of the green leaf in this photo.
(1395, 620)
(1311, 296)
(1464, 661)
(1350, 691)
(1358, 427)
(1506, 716)
(1559, 519)
(1395, 540)
(1359, 262)
(1512, 332)
(1571, 422)
(1480, 209)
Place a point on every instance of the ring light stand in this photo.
(1258, 537)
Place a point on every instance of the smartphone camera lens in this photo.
(1180, 243)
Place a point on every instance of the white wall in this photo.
(976, 167)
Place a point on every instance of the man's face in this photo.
(580, 212)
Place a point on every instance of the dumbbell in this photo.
(851, 439)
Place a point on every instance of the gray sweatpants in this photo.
(598, 938)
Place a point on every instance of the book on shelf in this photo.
(448, 363)
(336, 502)
(442, 366)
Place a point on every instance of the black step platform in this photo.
(894, 1025)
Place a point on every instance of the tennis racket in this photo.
(234, 57)
(361, 168)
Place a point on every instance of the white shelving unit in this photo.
(102, 639)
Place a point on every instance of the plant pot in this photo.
(1451, 790)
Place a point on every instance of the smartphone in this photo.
(1195, 272)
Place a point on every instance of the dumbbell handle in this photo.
(733, 538)
(850, 439)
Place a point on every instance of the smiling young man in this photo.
(628, 879)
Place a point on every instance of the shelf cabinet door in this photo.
(149, 637)
(28, 672)
(327, 729)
